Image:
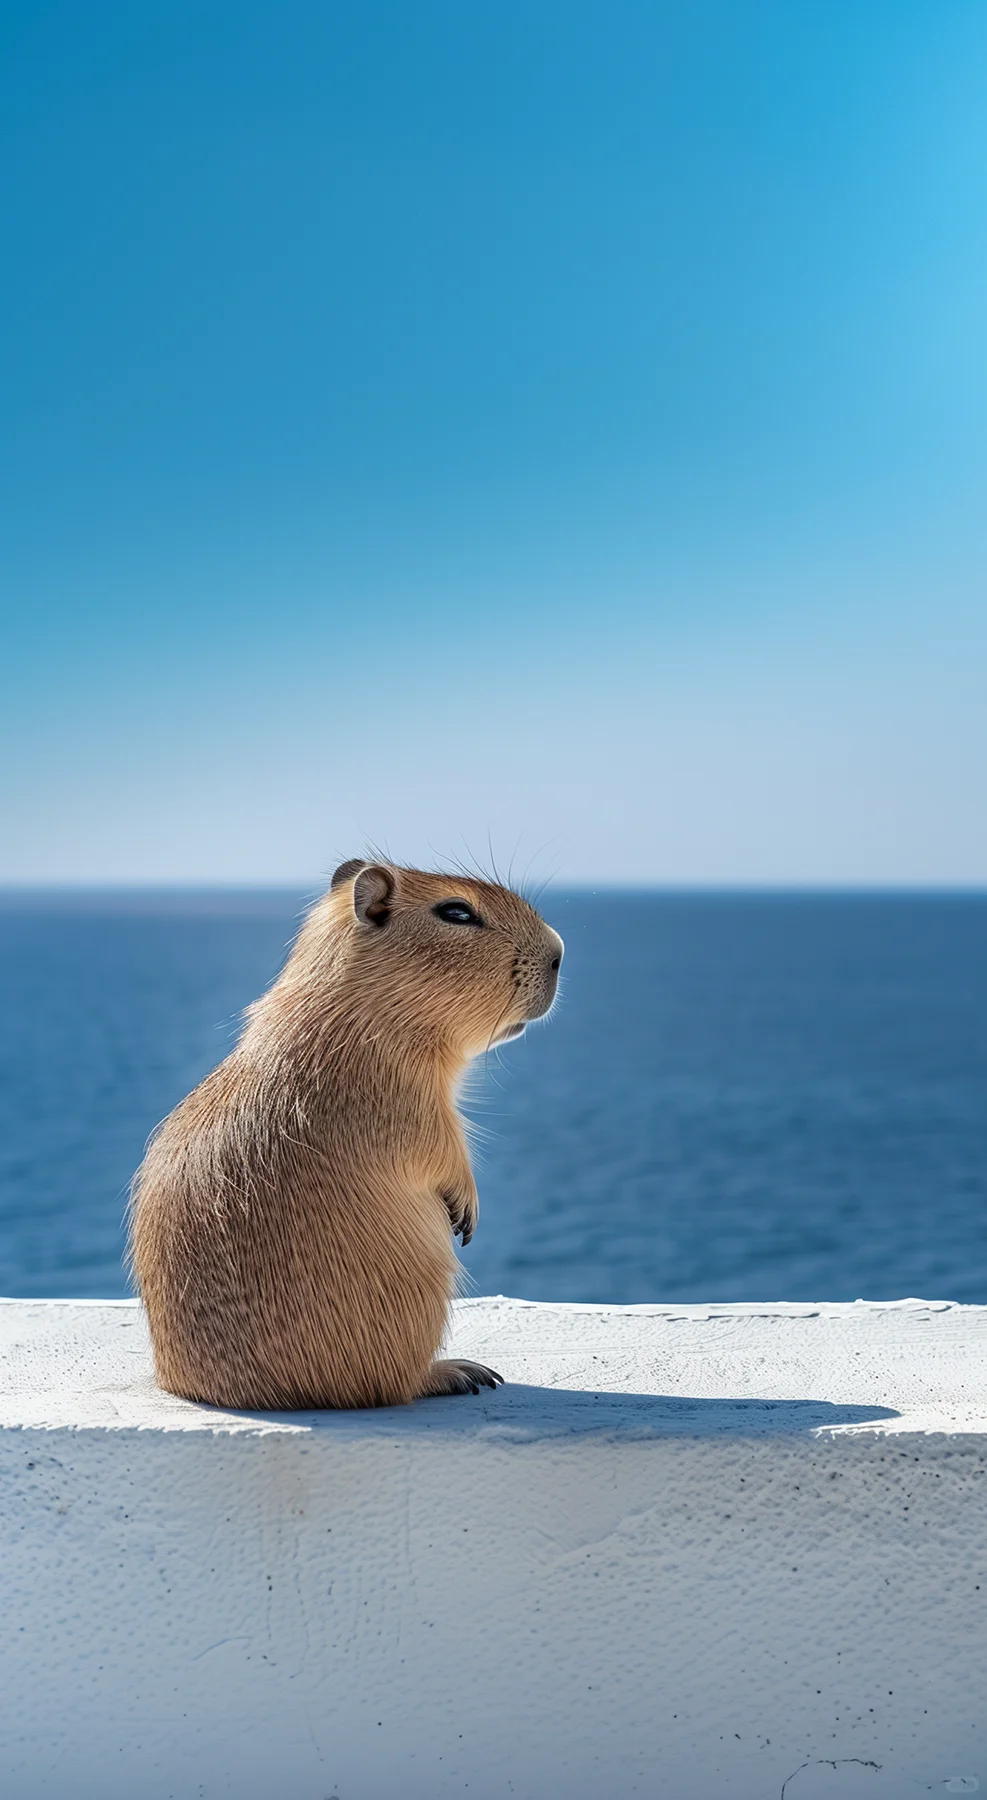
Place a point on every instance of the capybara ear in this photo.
(347, 870)
(373, 891)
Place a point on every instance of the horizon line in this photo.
(67, 887)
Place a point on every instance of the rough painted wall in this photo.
(747, 1557)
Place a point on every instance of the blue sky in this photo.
(560, 426)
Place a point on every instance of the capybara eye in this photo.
(456, 912)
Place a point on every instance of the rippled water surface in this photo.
(738, 1098)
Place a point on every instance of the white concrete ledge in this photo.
(688, 1551)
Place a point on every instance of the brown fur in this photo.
(290, 1223)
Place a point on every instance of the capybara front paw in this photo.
(463, 1211)
(459, 1378)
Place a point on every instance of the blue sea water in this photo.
(739, 1096)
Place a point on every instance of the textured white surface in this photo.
(687, 1551)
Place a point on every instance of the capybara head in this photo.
(466, 959)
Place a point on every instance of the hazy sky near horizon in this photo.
(554, 426)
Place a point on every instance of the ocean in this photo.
(739, 1096)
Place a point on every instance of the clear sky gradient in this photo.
(559, 426)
